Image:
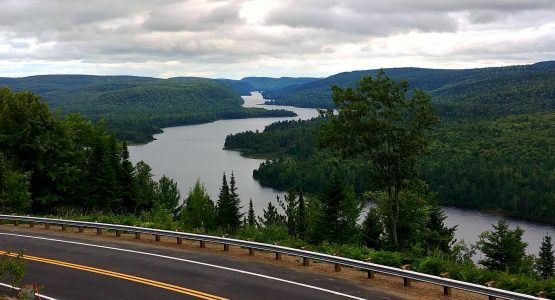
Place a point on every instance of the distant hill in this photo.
(457, 93)
(138, 107)
(268, 83)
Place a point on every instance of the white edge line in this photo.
(188, 261)
(16, 288)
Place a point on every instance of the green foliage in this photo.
(251, 217)
(336, 214)
(198, 209)
(377, 121)
(472, 93)
(14, 189)
(504, 164)
(12, 268)
(228, 208)
(503, 248)
(138, 107)
(271, 216)
(545, 263)
(372, 229)
(168, 194)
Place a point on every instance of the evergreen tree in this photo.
(503, 247)
(339, 210)
(251, 217)
(372, 229)
(439, 237)
(126, 178)
(228, 206)
(301, 216)
(271, 216)
(198, 209)
(545, 263)
(289, 206)
(168, 194)
(144, 188)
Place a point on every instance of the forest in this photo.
(70, 167)
(504, 165)
(457, 94)
(138, 107)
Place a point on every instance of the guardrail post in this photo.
(406, 281)
(541, 294)
(15, 223)
(371, 274)
(137, 235)
(202, 244)
(157, 237)
(63, 226)
(306, 261)
(46, 226)
(337, 266)
(118, 233)
(179, 241)
(491, 284)
(251, 251)
(31, 224)
(81, 229)
(278, 256)
(99, 231)
(446, 289)
(226, 247)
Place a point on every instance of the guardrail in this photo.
(371, 268)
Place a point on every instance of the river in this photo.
(186, 153)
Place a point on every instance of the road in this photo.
(71, 266)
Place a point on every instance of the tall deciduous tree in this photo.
(545, 263)
(377, 121)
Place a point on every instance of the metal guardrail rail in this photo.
(408, 275)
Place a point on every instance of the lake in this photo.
(186, 153)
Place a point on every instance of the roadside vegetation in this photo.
(72, 168)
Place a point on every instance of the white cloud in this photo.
(218, 38)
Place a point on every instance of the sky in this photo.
(233, 39)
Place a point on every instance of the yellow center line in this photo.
(128, 277)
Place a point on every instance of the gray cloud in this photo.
(302, 35)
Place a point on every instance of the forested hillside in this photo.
(505, 164)
(456, 93)
(138, 107)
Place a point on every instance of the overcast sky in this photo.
(233, 39)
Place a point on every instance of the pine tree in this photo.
(339, 210)
(503, 247)
(372, 229)
(301, 216)
(545, 263)
(251, 218)
(198, 209)
(126, 178)
(228, 207)
(271, 216)
(289, 206)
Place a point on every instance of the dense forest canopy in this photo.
(138, 107)
(494, 148)
(466, 93)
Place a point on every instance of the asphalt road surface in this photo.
(84, 267)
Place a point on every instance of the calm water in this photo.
(186, 153)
